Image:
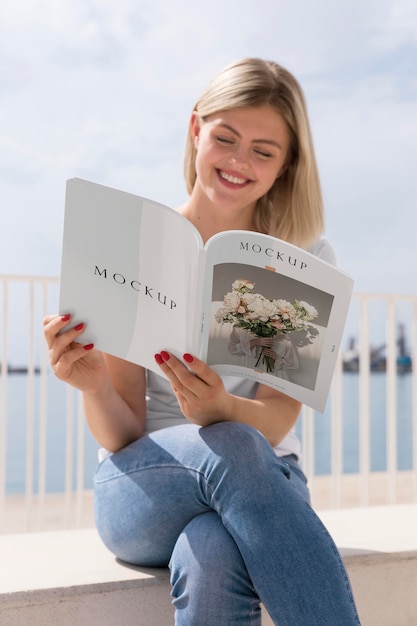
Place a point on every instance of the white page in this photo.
(279, 270)
(136, 300)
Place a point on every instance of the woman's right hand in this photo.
(80, 365)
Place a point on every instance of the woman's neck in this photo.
(210, 220)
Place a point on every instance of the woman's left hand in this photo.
(269, 352)
(200, 392)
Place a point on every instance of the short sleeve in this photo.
(324, 250)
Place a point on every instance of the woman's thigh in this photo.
(144, 497)
(148, 492)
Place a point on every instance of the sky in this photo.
(103, 90)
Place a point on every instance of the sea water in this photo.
(23, 435)
(18, 414)
(351, 426)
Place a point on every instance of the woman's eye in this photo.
(225, 140)
(263, 154)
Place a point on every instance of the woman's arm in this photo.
(113, 390)
(271, 412)
(204, 400)
(240, 342)
(116, 411)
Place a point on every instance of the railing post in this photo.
(364, 401)
(30, 414)
(414, 398)
(3, 406)
(43, 416)
(337, 434)
(391, 370)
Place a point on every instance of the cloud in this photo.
(103, 91)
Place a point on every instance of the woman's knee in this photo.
(204, 541)
(207, 570)
(233, 440)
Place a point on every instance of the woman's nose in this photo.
(240, 156)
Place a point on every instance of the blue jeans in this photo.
(233, 522)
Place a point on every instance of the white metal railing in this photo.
(24, 300)
(395, 308)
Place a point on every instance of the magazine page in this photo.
(275, 314)
(128, 271)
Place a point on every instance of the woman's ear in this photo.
(282, 171)
(195, 125)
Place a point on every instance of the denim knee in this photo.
(238, 442)
(210, 582)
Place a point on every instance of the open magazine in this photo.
(137, 273)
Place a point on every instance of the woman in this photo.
(202, 472)
(253, 350)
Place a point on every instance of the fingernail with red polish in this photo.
(65, 318)
(188, 357)
(158, 359)
(165, 355)
(89, 346)
(79, 327)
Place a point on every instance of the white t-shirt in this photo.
(162, 406)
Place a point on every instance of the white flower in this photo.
(243, 285)
(285, 308)
(232, 300)
(221, 315)
(259, 306)
(308, 311)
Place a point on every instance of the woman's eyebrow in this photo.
(235, 132)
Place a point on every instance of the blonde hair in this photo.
(293, 208)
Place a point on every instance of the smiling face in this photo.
(240, 154)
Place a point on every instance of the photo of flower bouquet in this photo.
(263, 317)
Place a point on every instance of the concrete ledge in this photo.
(68, 577)
(379, 549)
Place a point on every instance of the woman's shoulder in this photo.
(323, 249)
